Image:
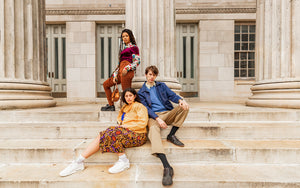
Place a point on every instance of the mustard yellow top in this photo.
(135, 118)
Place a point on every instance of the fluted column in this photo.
(153, 24)
(277, 54)
(22, 55)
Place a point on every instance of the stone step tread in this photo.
(214, 151)
(189, 144)
(195, 106)
(86, 114)
(150, 175)
(190, 130)
(55, 110)
(83, 124)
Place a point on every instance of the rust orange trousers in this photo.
(125, 81)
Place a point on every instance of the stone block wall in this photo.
(81, 61)
(216, 77)
(85, 4)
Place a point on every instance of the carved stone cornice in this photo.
(110, 11)
(121, 11)
(214, 10)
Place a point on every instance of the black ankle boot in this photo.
(168, 176)
(108, 108)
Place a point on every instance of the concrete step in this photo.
(191, 130)
(228, 115)
(47, 116)
(150, 175)
(213, 151)
(91, 112)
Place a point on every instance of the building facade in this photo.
(214, 50)
(192, 43)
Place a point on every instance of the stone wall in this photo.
(81, 61)
(84, 4)
(216, 60)
(215, 42)
(215, 4)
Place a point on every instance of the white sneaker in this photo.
(119, 167)
(72, 168)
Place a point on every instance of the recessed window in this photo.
(244, 50)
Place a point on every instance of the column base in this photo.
(274, 103)
(276, 95)
(15, 95)
(25, 104)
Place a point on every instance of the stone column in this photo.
(22, 55)
(277, 55)
(153, 24)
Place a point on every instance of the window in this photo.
(244, 50)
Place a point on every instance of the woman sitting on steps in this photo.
(130, 132)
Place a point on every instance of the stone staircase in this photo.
(227, 145)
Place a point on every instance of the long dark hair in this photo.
(131, 90)
(131, 37)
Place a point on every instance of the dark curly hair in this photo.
(131, 38)
(131, 90)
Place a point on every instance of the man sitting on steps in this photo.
(156, 96)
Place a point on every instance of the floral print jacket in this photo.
(130, 53)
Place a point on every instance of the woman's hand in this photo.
(124, 72)
(115, 80)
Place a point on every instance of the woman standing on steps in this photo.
(129, 59)
(130, 132)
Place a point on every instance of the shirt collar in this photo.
(148, 86)
(129, 45)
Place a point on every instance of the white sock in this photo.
(123, 158)
(80, 159)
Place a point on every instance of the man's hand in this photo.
(124, 72)
(114, 80)
(161, 123)
(183, 105)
